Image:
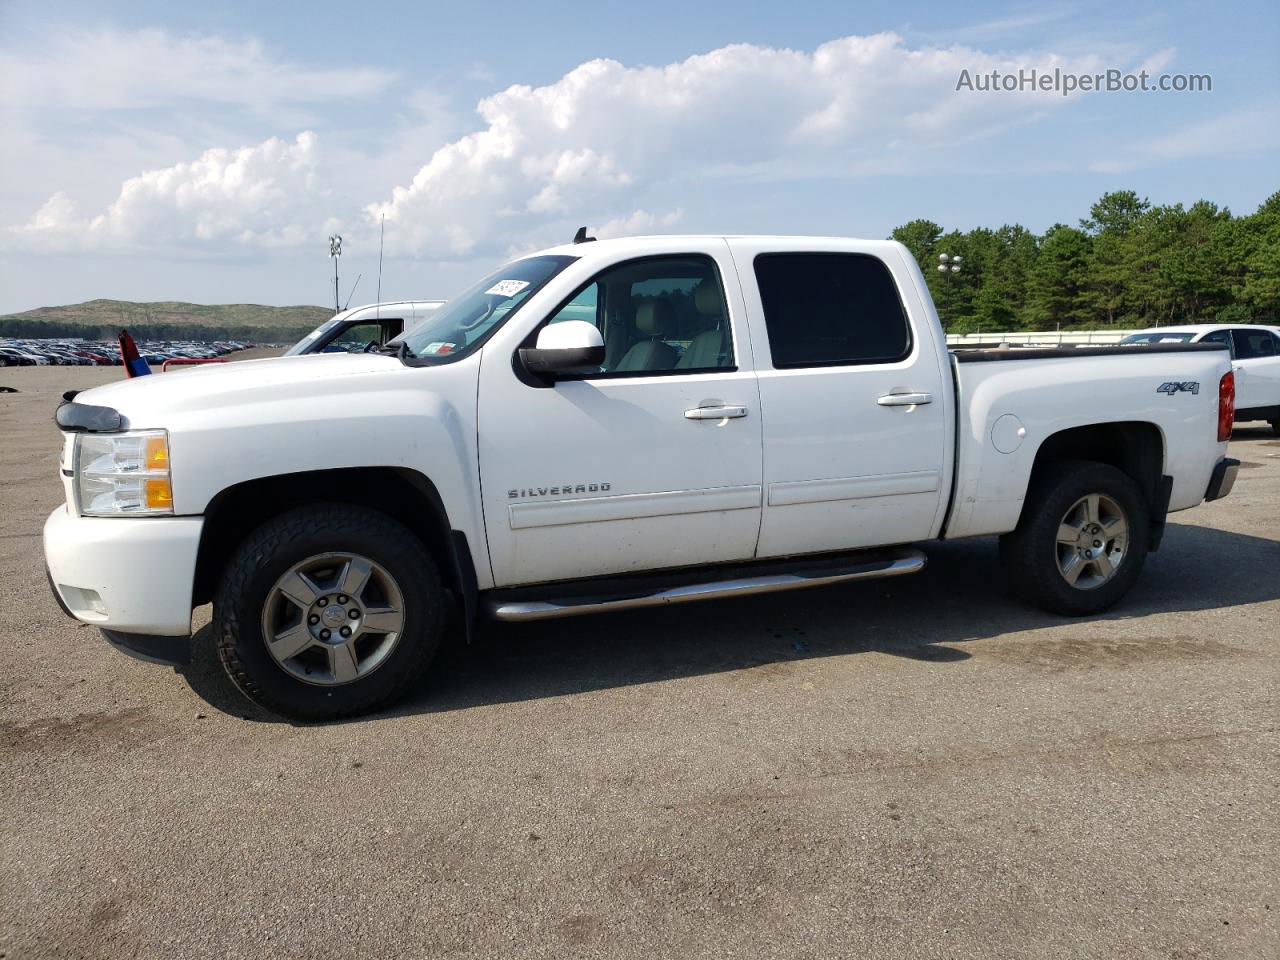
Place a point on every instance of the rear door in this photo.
(853, 392)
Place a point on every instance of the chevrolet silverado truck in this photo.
(607, 425)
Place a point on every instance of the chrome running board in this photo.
(895, 564)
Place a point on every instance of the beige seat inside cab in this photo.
(654, 320)
(705, 349)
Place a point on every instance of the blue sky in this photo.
(204, 152)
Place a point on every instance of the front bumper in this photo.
(1223, 479)
(167, 651)
(128, 575)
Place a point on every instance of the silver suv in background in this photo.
(364, 329)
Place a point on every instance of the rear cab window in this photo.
(831, 309)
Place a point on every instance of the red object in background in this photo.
(134, 365)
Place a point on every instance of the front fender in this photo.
(417, 419)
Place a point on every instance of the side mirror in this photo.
(572, 346)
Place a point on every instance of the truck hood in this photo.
(144, 401)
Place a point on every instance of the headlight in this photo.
(123, 474)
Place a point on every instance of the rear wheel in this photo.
(1082, 539)
(1275, 427)
(328, 611)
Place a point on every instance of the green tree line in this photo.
(33, 329)
(1129, 264)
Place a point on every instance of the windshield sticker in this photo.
(439, 348)
(507, 288)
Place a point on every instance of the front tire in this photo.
(1082, 539)
(328, 611)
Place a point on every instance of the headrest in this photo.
(706, 298)
(655, 318)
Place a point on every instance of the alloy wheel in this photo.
(333, 618)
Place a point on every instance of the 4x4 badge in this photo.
(1186, 386)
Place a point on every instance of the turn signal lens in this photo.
(157, 453)
(159, 494)
(1226, 405)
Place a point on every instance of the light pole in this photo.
(948, 263)
(335, 251)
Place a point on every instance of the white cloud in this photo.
(639, 222)
(1251, 130)
(621, 149)
(595, 142)
(130, 70)
(255, 197)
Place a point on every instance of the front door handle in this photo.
(904, 399)
(715, 413)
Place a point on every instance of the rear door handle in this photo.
(904, 399)
(715, 413)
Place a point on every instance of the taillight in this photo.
(1226, 405)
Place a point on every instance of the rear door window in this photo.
(831, 309)
(1251, 344)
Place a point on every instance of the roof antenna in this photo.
(581, 236)
(382, 233)
(352, 293)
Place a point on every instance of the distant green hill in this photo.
(165, 320)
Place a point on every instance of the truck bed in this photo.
(1009, 401)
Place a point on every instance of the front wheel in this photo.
(1081, 541)
(328, 611)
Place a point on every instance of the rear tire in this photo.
(328, 611)
(1082, 539)
(1275, 427)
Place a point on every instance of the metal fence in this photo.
(1070, 338)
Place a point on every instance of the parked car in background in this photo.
(364, 329)
(24, 358)
(15, 358)
(73, 351)
(1255, 360)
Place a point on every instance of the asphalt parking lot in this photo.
(914, 768)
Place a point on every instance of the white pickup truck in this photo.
(606, 425)
(1255, 362)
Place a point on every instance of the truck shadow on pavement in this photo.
(959, 598)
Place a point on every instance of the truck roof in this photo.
(646, 243)
(1204, 327)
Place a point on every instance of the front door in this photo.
(652, 461)
(855, 397)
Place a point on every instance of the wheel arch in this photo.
(239, 509)
(1137, 448)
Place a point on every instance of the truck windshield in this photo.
(467, 320)
(314, 335)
